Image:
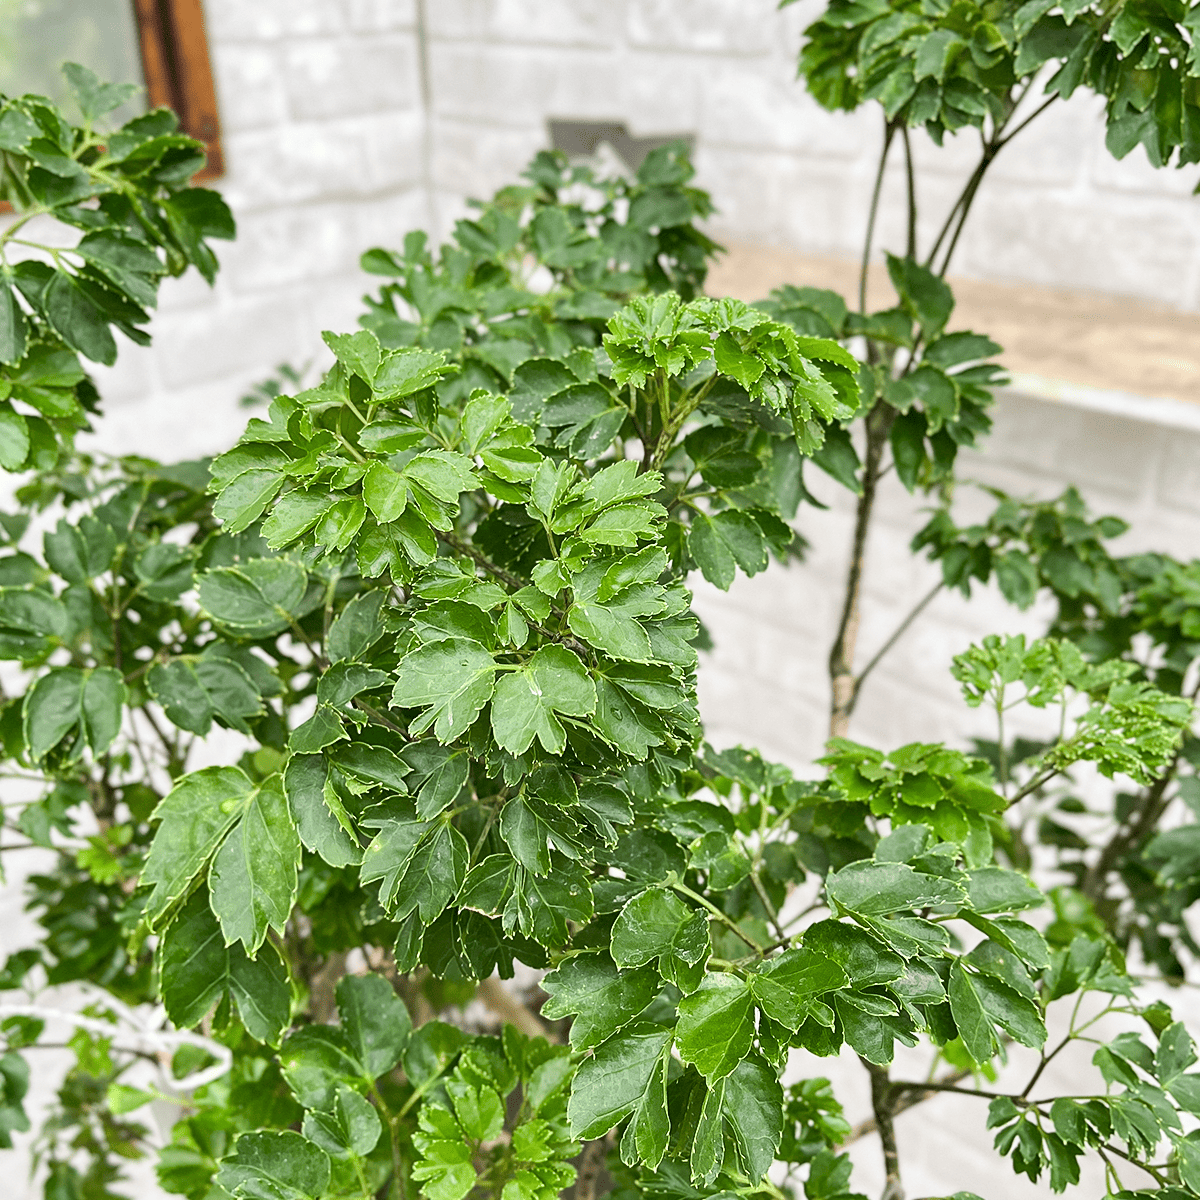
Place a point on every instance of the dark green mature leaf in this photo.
(754, 1113)
(601, 999)
(194, 818)
(254, 874)
(375, 1020)
(528, 703)
(320, 817)
(875, 889)
(783, 986)
(351, 1128)
(615, 1079)
(970, 1015)
(196, 970)
(274, 1165)
(721, 543)
(257, 598)
(838, 458)
(923, 294)
(658, 925)
(68, 698)
(316, 1060)
(716, 1025)
(12, 326)
(451, 680)
(646, 1136)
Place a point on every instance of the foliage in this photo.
(127, 191)
(440, 602)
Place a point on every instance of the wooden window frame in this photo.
(178, 71)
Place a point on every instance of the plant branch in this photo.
(897, 634)
(883, 1100)
(911, 192)
(841, 655)
(908, 1095)
(464, 547)
(889, 131)
(723, 917)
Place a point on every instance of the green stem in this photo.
(889, 130)
(724, 918)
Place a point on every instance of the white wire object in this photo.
(134, 1032)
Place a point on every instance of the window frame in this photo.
(178, 71)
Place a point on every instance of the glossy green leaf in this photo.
(274, 1165)
(253, 878)
(716, 1025)
(194, 818)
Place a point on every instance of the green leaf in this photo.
(293, 514)
(649, 1129)
(783, 986)
(358, 352)
(52, 710)
(599, 997)
(79, 322)
(452, 680)
(998, 890)
(385, 492)
(275, 1165)
(321, 819)
(104, 696)
(196, 969)
(837, 457)
(257, 598)
(14, 438)
(657, 924)
(874, 889)
(352, 1127)
(96, 98)
(479, 1109)
(432, 876)
(375, 1020)
(194, 818)
(716, 1028)
(615, 1079)
(528, 703)
(754, 1113)
(922, 293)
(720, 543)
(12, 326)
(1017, 1015)
(404, 372)
(708, 1143)
(863, 959)
(356, 628)
(315, 1061)
(254, 875)
(966, 1005)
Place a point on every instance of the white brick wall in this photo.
(330, 149)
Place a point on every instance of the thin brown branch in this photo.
(898, 633)
(464, 547)
(908, 1095)
(841, 655)
(889, 131)
(883, 1103)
